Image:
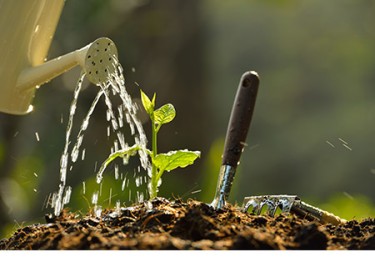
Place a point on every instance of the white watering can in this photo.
(26, 29)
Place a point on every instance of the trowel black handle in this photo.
(240, 118)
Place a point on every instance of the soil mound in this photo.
(164, 224)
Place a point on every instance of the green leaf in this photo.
(174, 159)
(147, 103)
(122, 153)
(164, 114)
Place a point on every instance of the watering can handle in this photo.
(240, 118)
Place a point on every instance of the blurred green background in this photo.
(313, 130)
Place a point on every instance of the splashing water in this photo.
(124, 114)
(57, 198)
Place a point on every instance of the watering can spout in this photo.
(32, 77)
(24, 47)
(95, 59)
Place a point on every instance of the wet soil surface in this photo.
(163, 224)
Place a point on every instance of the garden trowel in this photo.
(235, 142)
(238, 126)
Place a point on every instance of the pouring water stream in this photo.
(114, 84)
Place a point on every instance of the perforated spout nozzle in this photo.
(96, 59)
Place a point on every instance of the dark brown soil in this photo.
(163, 224)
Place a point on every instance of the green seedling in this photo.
(161, 162)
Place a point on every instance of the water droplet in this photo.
(95, 166)
(347, 147)
(138, 181)
(343, 141)
(85, 124)
(98, 211)
(118, 207)
(148, 205)
(68, 192)
(83, 154)
(329, 143)
(123, 184)
(348, 195)
(141, 197)
(108, 115)
(75, 153)
(94, 198)
(116, 172)
(115, 145)
(99, 177)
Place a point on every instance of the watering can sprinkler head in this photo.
(96, 59)
(24, 47)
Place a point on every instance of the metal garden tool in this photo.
(238, 126)
(26, 29)
(289, 204)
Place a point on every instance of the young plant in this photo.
(164, 161)
(160, 162)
